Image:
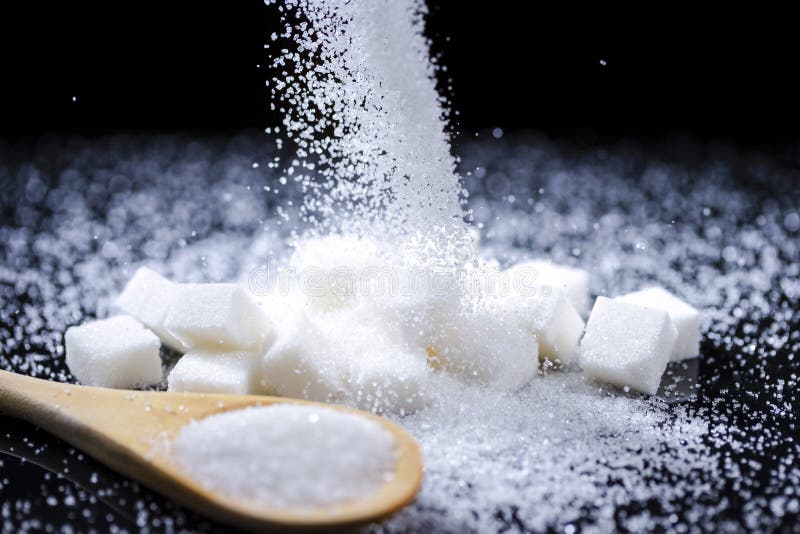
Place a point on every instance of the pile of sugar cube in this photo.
(219, 328)
(377, 351)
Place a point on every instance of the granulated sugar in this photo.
(559, 452)
(366, 123)
(716, 450)
(287, 456)
(725, 457)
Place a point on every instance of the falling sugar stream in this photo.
(369, 129)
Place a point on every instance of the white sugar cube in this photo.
(348, 356)
(118, 353)
(554, 321)
(389, 381)
(489, 344)
(304, 363)
(209, 372)
(334, 270)
(148, 297)
(538, 273)
(216, 317)
(685, 317)
(627, 345)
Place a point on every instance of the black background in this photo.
(724, 70)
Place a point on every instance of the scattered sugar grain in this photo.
(558, 452)
(287, 456)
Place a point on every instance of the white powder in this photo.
(371, 150)
(287, 456)
(557, 452)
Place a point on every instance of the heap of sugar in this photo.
(117, 352)
(287, 455)
(346, 356)
(558, 454)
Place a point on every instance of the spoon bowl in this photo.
(130, 431)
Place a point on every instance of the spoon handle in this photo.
(31, 399)
(99, 421)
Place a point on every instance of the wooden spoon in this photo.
(122, 429)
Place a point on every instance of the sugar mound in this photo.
(557, 453)
(369, 330)
(287, 456)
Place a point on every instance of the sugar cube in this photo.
(118, 352)
(488, 344)
(333, 271)
(305, 363)
(148, 297)
(554, 321)
(685, 317)
(208, 372)
(535, 274)
(217, 317)
(627, 345)
(474, 239)
(389, 381)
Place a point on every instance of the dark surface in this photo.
(724, 69)
(46, 485)
(63, 488)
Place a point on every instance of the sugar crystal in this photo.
(287, 456)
